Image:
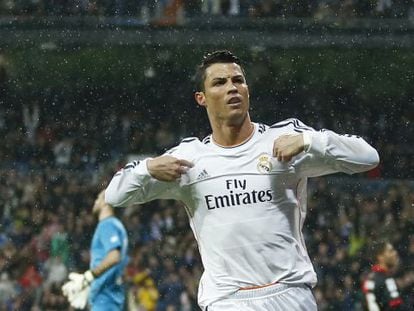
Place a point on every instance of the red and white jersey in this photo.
(247, 209)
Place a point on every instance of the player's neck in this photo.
(105, 213)
(228, 135)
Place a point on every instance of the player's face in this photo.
(391, 257)
(99, 203)
(226, 94)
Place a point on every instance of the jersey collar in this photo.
(244, 143)
(378, 268)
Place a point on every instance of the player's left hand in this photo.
(286, 146)
(168, 168)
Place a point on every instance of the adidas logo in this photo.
(203, 175)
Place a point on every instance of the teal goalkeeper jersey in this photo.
(108, 288)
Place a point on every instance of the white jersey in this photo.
(247, 209)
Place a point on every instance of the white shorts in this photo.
(278, 297)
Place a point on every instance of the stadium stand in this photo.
(58, 151)
(52, 170)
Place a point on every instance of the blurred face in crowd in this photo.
(389, 257)
(225, 94)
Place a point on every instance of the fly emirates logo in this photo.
(237, 194)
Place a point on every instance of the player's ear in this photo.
(200, 98)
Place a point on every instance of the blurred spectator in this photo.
(162, 229)
(63, 152)
(55, 271)
(31, 122)
(59, 246)
(8, 289)
(49, 175)
(147, 294)
(380, 289)
(52, 299)
(3, 87)
(170, 292)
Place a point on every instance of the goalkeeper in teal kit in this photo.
(102, 284)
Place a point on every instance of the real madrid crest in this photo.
(264, 166)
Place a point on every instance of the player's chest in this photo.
(226, 191)
(241, 178)
(253, 162)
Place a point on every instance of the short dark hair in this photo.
(220, 56)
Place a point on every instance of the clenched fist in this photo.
(167, 168)
(287, 146)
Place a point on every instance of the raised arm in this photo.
(150, 179)
(325, 152)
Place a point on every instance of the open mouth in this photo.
(234, 100)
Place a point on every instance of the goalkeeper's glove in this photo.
(79, 300)
(77, 289)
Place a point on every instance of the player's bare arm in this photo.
(167, 168)
(111, 259)
(287, 146)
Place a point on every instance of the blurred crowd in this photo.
(60, 147)
(55, 156)
(47, 225)
(81, 131)
(175, 11)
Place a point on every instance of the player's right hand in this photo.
(80, 300)
(168, 168)
(77, 282)
(77, 288)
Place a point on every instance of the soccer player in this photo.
(244, 188)
(380, 288)
(102, 285)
